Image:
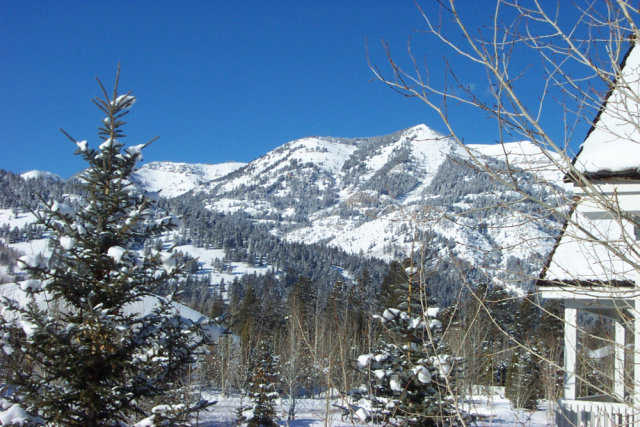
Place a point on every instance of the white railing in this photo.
(588, 413)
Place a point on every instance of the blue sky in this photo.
(216, 80)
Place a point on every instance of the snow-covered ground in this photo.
(16, 219)
(492, 410)
(207, 258)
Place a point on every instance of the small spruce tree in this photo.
(78, 348)
(263, 387)
(410, 377)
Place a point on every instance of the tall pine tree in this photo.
(78, 348)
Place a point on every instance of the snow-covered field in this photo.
(16, 219)
(207, 257)
(491, 411)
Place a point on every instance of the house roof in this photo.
(592, 253)
(612, 146)
(611, 149)
(585, 283)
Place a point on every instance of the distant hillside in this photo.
(174, 179)
(326, 207)
(35, 174)
(382, 196)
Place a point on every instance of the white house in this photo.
(595, 265)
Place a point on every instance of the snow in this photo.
(63, 209)
(364, 360)
(33, 174)
(390, 313)
(33, 247)
(168, 261)
(27, 327)
(424, 376)
(136, 150)
(107, 144)
(492, 409)
(395, 385)
(527, 156)
(328, 155)
(582, 256)
(172, 179)
(82, 145)
(116, 252)
(614, 143)
(123, 101)
(18, 219)
(67, 242)
(207, 257)
(441, 361)
(380, 373)
(30, 285)
(15, 415)
(432, 311)
(29, 261)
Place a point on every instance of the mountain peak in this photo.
(422, 130)
(34, 174)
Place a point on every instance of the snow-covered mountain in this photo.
(174, 179)
(381, 197)
(526, 156)
(35, 174)
(386, 196)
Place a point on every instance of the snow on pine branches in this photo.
(71, 351)
(410, 378)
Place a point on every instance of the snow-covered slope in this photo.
(383, 196)
(39, 174)
(173, 179)
(308, 175)
(524, 155)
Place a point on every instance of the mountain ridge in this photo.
(385, 197)
(379, 197)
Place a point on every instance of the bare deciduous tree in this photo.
(554, 71)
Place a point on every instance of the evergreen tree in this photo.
(246, 320)
(78, 349)
(393, 285)
(411, 378)
(263, 387)
(523, 386)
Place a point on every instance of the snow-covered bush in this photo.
(72, 352)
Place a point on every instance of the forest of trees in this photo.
(316, 323)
